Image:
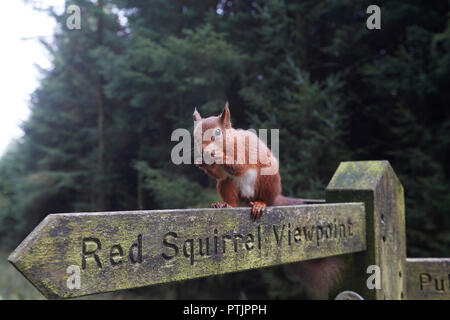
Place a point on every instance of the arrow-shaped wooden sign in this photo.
(76, 254)
(428, 278)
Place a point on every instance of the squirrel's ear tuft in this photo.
(196, 115)
(225, 117)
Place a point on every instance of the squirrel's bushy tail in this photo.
(320, 275)
(287, 201)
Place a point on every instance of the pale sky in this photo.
(18, 57)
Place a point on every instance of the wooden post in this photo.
(375, 184)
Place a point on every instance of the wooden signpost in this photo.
(121, 250)
(76, 254)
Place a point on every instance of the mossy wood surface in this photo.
(428, 278)
(121, 250)
(375, 184)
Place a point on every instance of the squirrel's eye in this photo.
(217, 133)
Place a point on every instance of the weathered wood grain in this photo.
(375, 184)
(121, 250)
(428, 278)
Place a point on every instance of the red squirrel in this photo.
(256, 182)
(247, 174)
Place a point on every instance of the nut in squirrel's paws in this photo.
(220, 205)
(258, 208)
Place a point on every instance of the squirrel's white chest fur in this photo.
(246, 183)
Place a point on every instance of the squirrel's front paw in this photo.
(220, 205)
(257, 208)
